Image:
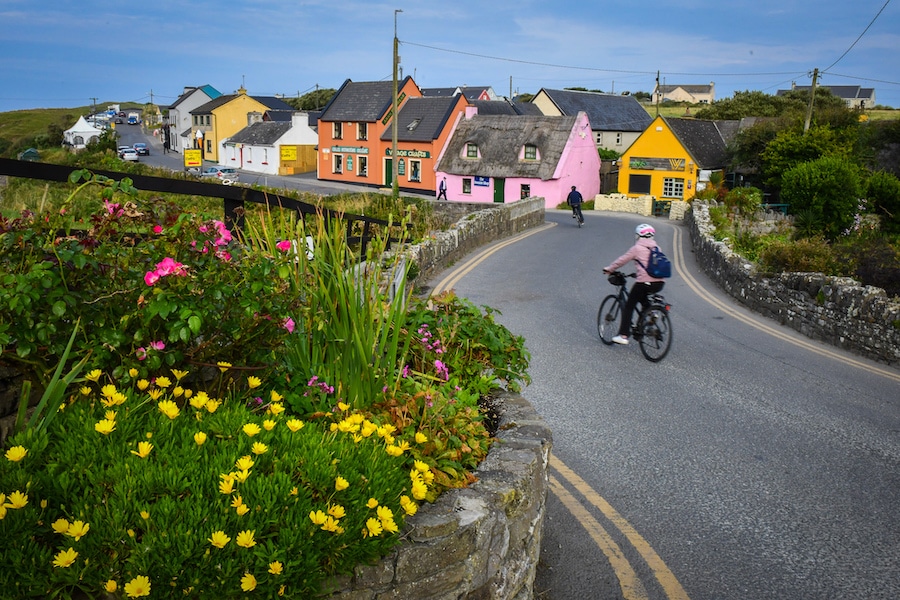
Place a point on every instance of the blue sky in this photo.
(63, 53)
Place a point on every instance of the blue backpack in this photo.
(658, 266)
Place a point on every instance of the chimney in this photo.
(299, 119)
(254, 117)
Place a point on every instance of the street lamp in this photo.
(395, 184)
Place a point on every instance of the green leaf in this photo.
(59, 308)
(195, 323)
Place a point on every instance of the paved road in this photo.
(751, 463)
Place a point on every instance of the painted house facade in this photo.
(694, 94)
(178, 124)
(505, 158)
(273, 147)
(854, 96)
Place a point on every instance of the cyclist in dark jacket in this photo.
(574, 199)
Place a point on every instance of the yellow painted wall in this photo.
(228, 119)
(659, 154)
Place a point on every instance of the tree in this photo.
(748, 104)
(883, 195)
(315, 100)
(790, 148)
(828, 188)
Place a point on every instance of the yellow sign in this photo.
(289, 153)
(193, 158)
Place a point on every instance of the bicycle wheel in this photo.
(656, 329)
(608, 319)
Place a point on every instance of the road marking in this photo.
(663, 574)
(700, 291)
(632, 588)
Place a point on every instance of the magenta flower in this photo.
(168, 266)
(284, 245)
(157, 345)
(157, 229)
(141, 353)
(288, 324)
(151, 277)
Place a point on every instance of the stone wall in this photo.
(642, 205)
(835, 310)
(482, 542)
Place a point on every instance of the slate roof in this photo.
(845, 92)
(270, 102)
(691, 89)
(264, 133)
(209, 90)
(422, 119)
(606, 112)
(364, 101)
(505, 107)
(500, 138)
(705, 140)
(471, 92)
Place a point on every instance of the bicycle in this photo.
(652, 330)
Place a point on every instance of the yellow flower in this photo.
(390, 526)
(242, 510)
(340, 483)
(276, 408)
(94, 375)
(168, 408)
(295, 424)
(108, 390)
(244, 463)
(143, 450)
(253, 382)
(199, 438)
(384, 513)
(137, 587)
(419, 489)
(177, 391)
(143, 384)
(179, 375)
(16, 453)
(219, 539)
(343, 406)
(188, 393)
(223, 366)
(317, 517)
(212, 405)
(119, 398)
(65, 558)
(111, 586)
(337, 511)
(59, 526)
(373, 526)
(251, 429)
(85, 391)
(133, 372)
(404, 446)
(332, 525)
(368, 428)
(245, 539)
(155, 394)
(110, 415)
(105, 426)
(242, 475)
(275, 568)
(237, 501)
(259, 448)
(145, 515)
(275, 396)
(409, 507)
(394, 450)
(268, 424)
(3, 511)
(226, 486)
(163, 382)
(248, 582)
(372, 503)
(421, 438)
(78, 529)
(421, 466)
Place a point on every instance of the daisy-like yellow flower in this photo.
(16, 453)
(275, 396)
(276, 568)
(168, 408)
(242, 510)
(111, 586)
(155, 394)
(108, 390)
(268, 424)
(389, 526)
(179, 375)
(368, 428)
(276, 408)
(373, 526)
(105, 426)
(419, 489)
(331, 524)
(119, 398)
(223, 366)
(408, 506)
(244, 463)
(421, 438)
(337, 511)
(132, 372)
(394, 450)
(340, 483)
(251, 429)
(163, 382)
(248, 582)
(94, 375)
(59, 526)
(384, 513)
(219, 539)
(138, 587)
(343, 406)
(188, 393)
(295, 491)
(295, 425)
(199, 401)
(110, 415)
(86, 391)
(259, 448)
(200, 438)
(372, 503)
(253, 382)
(421, 466)
(78, 529)
(237, 501)
(143, 384)
(211, 405)
(245, 539)
(65, 558)
(177, 391)
(143, 450)
(317, 517)
(145, 515)
(241, 476)
(226, 486)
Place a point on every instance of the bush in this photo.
(746, 200)
(812, 255)
(828, 187)
(883, 194)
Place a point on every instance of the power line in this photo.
(872, 22)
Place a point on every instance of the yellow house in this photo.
(672, 156)
(219, 119)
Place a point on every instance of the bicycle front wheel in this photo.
(656, 330)
(608, 319)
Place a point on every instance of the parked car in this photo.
(129, 154)
(123, 149)
(226, 175)
(142, 149)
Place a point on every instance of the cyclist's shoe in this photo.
(620, 339)
(573, 216)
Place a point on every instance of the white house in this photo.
(178, 125)
(266, 147)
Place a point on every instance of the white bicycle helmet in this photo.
(644, 230)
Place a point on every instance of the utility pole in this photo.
(93, 105)
(812, 98)
(658, 93)
(394, 183)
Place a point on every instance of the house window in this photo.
(673, 188)
(362, 166)
(471, 151)
(337, 131)
(525, 191)
(530, 152)
(338, 163)
(619, 139)
(598, 138)
(415, 170)
(249, 154)
(638, 184)
(208, 117)
(362, 131)
(208, 145)
(467, 185)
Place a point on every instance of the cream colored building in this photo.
(694, 94)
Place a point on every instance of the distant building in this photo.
(694, 94)
(854, 96)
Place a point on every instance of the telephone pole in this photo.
(812, 98)
(394, 183)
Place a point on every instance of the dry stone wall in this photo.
(835, 310)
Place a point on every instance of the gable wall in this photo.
(659, 154)
(227, 120)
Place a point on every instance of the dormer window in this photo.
(471, 150)
(531, 152)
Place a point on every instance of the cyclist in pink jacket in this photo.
(644, 284)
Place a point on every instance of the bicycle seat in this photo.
(657, 299)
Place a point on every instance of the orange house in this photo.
(351, 130)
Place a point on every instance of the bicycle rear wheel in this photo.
(656, 329)
(608, 319)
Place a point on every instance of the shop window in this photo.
(673, 188)
(362, 166)
(638, 184)
(415, 170)
(338, 163)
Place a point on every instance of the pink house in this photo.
(505, 158)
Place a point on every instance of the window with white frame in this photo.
(415, 170)
(338, 163)
(673, 188)
(362, 166)
(337, 131)
(619, 139)
(362, 131)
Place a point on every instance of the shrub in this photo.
(883, 194)
(828, 187)
(746, 200)
(812, 255)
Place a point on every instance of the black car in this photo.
(142, 149)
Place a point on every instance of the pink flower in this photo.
(288, 324)
(141, 353)
(157, 229)
(157, 345)
(151, 277)
(284, 245)
(223, 256)
(168, 266)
